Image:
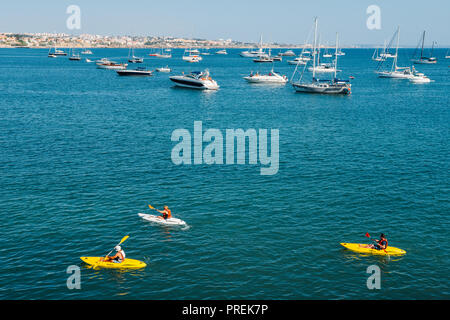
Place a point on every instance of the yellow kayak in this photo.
(359, 247)
(126, 264)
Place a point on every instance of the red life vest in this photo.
(385, 240)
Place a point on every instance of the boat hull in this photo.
(134, 73)
(394, 75)
(328, 89)
(194, 84)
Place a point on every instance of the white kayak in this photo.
(160, 220)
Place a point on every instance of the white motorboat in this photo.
(323, 68)
(249, 54)
(88, 60)
(262, 59)
(136, 72)
(205, 52)
(288, 53)
(190, 56)
(163, 69)
(277, 58)
(271, 77)
(333, 86)
(196, 80)
(102, 61)
(223, 51)
(86, 51)
(254, 53)
(299, 60)
(112, 66)
(420, 78)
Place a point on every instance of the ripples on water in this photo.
(83, 151)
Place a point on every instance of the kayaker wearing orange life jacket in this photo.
(166, 213)
(382, 244)
(119, 257)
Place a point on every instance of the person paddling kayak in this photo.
(381, 244)
(166, 213)
(119, 257)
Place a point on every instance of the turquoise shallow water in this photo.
(82, 151)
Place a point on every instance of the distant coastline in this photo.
(61, 40)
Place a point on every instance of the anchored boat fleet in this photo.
(318, 72)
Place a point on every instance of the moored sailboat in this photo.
(396, 72)
(423, 59)
(333, 86)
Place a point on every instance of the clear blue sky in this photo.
(285, 21)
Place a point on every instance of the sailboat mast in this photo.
(423, 41)
(336, 56)
(394, 66)
(318, 51)
(314, 48)
(260, 45)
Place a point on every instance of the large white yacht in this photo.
(196, 80)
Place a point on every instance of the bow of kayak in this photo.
(126, 264)
(360, 247)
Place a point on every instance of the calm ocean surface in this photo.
(82, 151)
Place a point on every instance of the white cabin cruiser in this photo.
(250, 54)
(419, 77)
(196, 80)
(112, 66)
(163, 69)
(288, 53)
(324, 68)
(271, 77)
(223, 51)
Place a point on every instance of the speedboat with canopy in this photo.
(200, 80)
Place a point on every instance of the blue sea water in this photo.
(82, 151)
